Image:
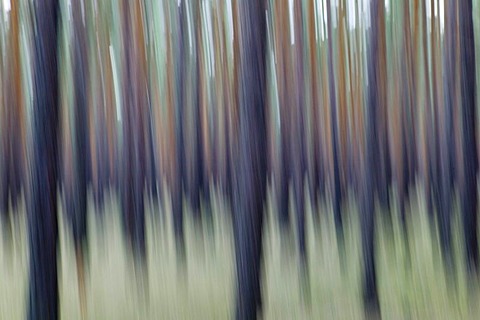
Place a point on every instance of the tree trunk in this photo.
(42, 197)
(468, 187)
(251, 162)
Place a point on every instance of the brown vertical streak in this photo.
(169, 134)
(204, 107)
(434, 83)
(315, 127)
(342, 95)
(327, 114)
(426, 123)
(381, 84)
(19, 122)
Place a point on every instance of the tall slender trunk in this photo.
(251, 164)
(370, 292)
(80, 144)
(42, 198)
(336, 188)
(468, 187)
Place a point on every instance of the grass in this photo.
(205, 291)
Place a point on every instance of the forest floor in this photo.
(204, 290)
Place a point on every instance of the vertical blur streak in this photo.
(78, 201)
(12, 136)
(336, 188)
(341, 136)
(249, 187)
(177, 15)
(446, 121)
(134, 106)
(443, 118)
(367, 200)
(42, 196)
(468, 187)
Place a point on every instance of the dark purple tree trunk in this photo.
(249, 187)
(445, 135)
(43, 302)
(367, 197)
(134, 106)
(336, 188)
(76, 203)
(468, 187)
(179, 184)
(298, 147)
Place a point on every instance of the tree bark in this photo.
(251, 161)
(468, 186)
(42, 197)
